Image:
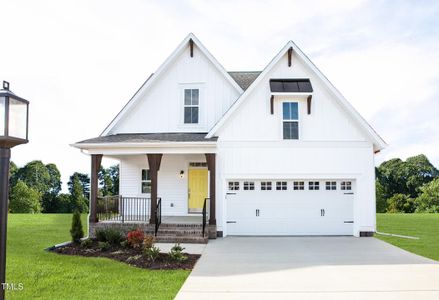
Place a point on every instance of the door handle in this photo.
(322, 212)
(257, 212)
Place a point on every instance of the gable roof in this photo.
(378, 142)
(244, 78)
(166, 64)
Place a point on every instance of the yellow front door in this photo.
(197, 189)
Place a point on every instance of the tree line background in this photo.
(401, 186)
(407, 186)
(36, 188)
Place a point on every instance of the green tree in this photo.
(381, 201)
(35, 175)
(24, 199)
(105, 182)
(400, 203)
(428, 200)
(419, 171)
(76, 231)
(79, 202)
(64, 203)
(50, 196)
(84, 180)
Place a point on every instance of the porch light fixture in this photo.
(14, 116)
(181, 174)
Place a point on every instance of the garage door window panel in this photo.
(233, 185)
(266, 186)
(281, 185)
(298, 185)
(331, 185)
(313, 186)
(346, 186)
(249, 186)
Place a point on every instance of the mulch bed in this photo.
(130, 256)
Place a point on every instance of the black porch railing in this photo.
(123, 209)
(158, 215)
(204, 215)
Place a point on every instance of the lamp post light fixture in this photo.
(14, 117)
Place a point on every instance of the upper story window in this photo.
(146, 181)
(290, 119)
(191, 106)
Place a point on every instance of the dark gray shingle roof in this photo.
(244, 79)
(150, 138)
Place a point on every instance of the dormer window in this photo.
(191, 106)
(290, 113)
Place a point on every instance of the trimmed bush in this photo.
(86, 243)
(110, 235)
(135, 238)
(76, 231)
(104, 246)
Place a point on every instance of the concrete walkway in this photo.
(310, 268)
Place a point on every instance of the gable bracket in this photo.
(290, 53)
(308, 102)
(272, 104)
(191, 46)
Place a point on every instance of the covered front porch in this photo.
(162, 185)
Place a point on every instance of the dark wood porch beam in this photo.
(211, 166)
(308, 102)
(96, 160)
(154, 161)
(191, 46)
(272, 104)
(290, 53)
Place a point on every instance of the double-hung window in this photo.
(290, 120)
(191, 106)
(146, 181)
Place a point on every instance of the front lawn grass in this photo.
(424, 226)
(48, 275)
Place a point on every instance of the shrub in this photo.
(76, 231)
(176, 253)
(400, 203)
(86, 243)
(111, 235)
(151, 253)
(124, 244)
(148, 241)
(135, 238)
(104, 246)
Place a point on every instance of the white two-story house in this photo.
(275, 152)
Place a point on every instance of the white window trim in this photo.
(142, 181)
(201, 107)
(299, 119)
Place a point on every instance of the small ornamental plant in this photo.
(148, 241)
(135, 238)
(151, 253)
(176, 253)
(76, 231)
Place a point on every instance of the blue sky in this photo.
(79, 62)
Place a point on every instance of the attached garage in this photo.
(286, 207)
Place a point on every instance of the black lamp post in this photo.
(14, 116)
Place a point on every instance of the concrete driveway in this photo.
(310, 268)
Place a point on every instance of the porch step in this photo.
(181, 233)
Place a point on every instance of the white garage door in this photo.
(300, 207)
